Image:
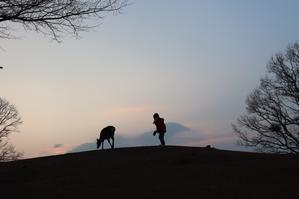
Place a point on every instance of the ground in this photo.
(153, 172)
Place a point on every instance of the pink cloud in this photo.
(132, 109)
(56, 149)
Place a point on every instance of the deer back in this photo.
(107, 132)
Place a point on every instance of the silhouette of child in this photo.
(160, 128)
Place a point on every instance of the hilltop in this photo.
(152, 172)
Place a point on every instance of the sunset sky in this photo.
(193, 61)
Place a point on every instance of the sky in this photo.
(193, 61)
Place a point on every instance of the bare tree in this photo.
(9, 121)
(271, 122)
(53, 17)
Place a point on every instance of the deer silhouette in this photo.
(107, 133)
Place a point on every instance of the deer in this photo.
(107, 133)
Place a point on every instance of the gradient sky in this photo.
(192, 61)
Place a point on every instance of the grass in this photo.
(153, 172)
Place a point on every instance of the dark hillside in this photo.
(153, 172)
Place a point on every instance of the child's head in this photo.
(156, 115)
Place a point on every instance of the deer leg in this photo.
(109, 142)
(112, 142)
(103, 145)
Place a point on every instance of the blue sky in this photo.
(194, 62)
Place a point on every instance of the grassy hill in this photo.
(153, 172)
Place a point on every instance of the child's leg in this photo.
(161, 138)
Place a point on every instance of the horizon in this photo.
(194, 63)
